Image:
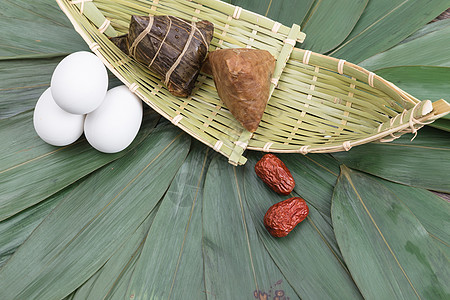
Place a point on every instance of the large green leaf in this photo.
(287, 12)
(237, 266)
(104, 283)
(30, 29)
(330, 22)
(32, 170)
(86, 229)
(431, 210)
(384, 23)
(120, 289)
(173, 249)
(423, 162)
(429, 28)
(432, 49)
(443, 124)
(388, 252)
(315, 176)
(45, 39)
(23, 82)
(44, 11)
(15, 230)
(306, 257)
(420, 81)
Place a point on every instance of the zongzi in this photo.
(171, 47)
(243, 78)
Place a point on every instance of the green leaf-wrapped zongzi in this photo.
(173, 48)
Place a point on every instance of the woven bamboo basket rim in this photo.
(318, 104)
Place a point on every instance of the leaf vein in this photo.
(38, 157)
(328, 244)
(268, 8)
(189, 222)
(381, 234)
(245, 228)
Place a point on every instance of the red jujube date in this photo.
(275, 174)
(283, 216)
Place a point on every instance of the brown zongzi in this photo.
(243, 78)
(171, 47)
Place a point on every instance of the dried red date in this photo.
(275, 174)
(283, 216)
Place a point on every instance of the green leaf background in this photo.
(169, 218)
(364, 212)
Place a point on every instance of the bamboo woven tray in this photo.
(318, 103)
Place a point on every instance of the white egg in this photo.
(79, 83)
(53, 124)
(114, 125)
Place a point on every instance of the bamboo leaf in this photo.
(69, 297)
(315, 176)
(431, 210)
(377, 232)
(237, 266)
(119, 291)
(384, 24)
(74, 241)
(105, 282)
(287, 12)
(420, 81)
(44, 11)
(29, 29)
(18, 41)
(32, 170)
(442, 124)
(429, 28)
(305, 257)
(432, 49)
(171, 264)
(15, 230)
(22, 83)
(330, 22)
(422, 163)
